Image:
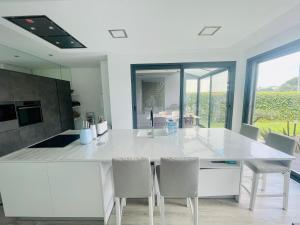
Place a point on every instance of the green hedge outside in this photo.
(278, 106)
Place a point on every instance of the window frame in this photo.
(226, 65)
(251, 81)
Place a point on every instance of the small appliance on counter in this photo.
(86, 135)
(171, 126)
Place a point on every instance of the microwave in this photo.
(29, 112)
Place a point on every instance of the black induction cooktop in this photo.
(58, 141)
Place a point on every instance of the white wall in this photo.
(120, 80)
(278, 40)
(265, 39)
(86, 82)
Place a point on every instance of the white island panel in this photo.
(76, 189)
(25, 190)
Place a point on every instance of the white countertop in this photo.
(207, 144)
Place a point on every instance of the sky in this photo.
(219, 83)
(277, 71)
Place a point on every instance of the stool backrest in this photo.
(132, 177)
(282, 143)
(249, 131)
(179, 178)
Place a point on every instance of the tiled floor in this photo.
(211, 211)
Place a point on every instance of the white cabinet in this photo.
(219, 179)
(57, 189)
(25, 190)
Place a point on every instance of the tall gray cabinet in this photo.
(56, 104)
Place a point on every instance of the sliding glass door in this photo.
(191, 94)
(206, 93)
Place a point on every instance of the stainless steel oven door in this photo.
(29, 113)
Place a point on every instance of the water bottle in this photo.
(172, 126)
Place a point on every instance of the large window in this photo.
(191, 94)
(272, 100)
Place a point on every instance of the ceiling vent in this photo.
(118, 33)
(46, 29)
(209, 30)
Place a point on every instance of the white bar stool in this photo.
(178, 178)
(253, 132)
(249, 131)
(132, 179)
(281, 143)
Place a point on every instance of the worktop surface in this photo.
(206, 143)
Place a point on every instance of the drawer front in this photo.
(219, 182)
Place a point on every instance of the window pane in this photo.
(219, 99)
(204, 102)
(190, 101)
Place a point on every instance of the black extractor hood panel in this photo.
(45, 28)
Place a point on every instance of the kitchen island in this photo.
(76, 181)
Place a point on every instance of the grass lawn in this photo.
(276, 126)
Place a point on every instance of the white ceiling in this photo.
(153, 26)
(18, 58)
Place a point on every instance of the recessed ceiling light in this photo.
(118, 33)
(51, 28)
(32, 28)
(16, 56)
(72, 42)
(209, 30)
(57, 42)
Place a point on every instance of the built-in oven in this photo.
(29, 112)
(8, 116)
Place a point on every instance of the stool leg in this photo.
(196, 211)
(150, 203)
(118, 211)
(286, 190)
(254, 190)
(156, 188)
(190, 205)
(162, 211)
(124, 202)
(264, 182)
